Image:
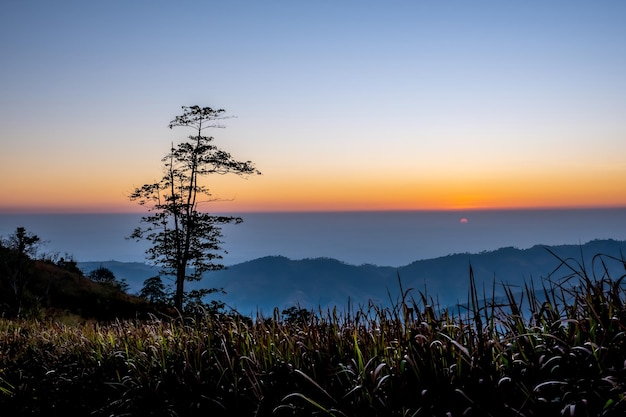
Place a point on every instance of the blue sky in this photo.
(342, 105)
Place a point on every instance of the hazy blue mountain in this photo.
(275, 281)
(448, 277)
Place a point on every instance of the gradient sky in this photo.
(343, 105)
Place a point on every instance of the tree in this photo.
(103, 275)
(20, 248)
(154, 290)
(186, 242)
(297, 315)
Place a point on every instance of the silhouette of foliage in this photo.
(17, 250)
(102, 274)
(105, 276)
(186, 242)
(297, 315)
(154, 290)
(69, 265)
(32, 288)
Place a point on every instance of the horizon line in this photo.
(50, 211)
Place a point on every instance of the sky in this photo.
(342, 105)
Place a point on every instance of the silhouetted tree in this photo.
(195, 304)
(70, 265)
(187, 242)
(103, 275)
(297, 315)
(154, 290)
(18, 250)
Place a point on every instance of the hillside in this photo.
(275, 281)
(63, 291)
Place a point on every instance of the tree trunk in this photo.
(180, 288)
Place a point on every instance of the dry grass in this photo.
(555, 350)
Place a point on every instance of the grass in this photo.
(555, 350)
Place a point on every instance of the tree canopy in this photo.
(186, 242)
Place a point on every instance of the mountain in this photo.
(266, 283)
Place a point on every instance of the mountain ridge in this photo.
(265, 283)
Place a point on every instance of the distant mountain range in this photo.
(260, 285)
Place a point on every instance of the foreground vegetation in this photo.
(555, 350)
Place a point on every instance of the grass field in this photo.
(555, 350)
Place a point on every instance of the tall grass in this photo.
(555, 350)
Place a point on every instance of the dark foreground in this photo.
(550, 351)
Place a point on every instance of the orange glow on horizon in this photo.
(301, 193)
